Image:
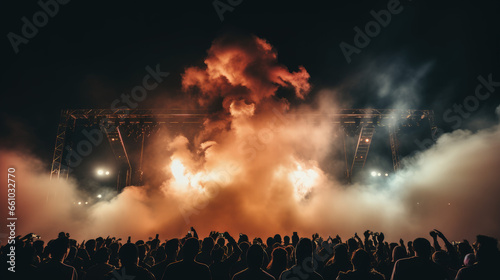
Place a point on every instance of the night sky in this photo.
(90, 52)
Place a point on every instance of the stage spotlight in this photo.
(386, 174)
(99, 196)
(79, 203)
(100, 172)
(107, 172)
(374, 173)
(379, 174)
(86, 202)
(367, 140)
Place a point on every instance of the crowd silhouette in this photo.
(221, 257)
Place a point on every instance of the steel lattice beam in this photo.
(393, 138)
(56, 166)
(365, 118)
(362, 148)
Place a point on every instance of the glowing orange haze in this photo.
(252, 170)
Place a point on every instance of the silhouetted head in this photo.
(269, 242)
(160, 254)
(244, 248)
(361, 260)
(141, 249)
(277, 238)
(279, 259)
(99, 241)
(340, 253)
(171, 248)
(101, 255)
(465, 248)
(352, 244)
(129, 254)
(90, 245)
(398, 253)
(208, 244)
(221, 241)
(243, 238)
(114, 247)
(38, 245)
(303, 251)
(422, 248)
(255, 256)
(286, 240)
(442, 258)
(295, 239)
(487, 249)
(59, 248)
(191, 248)
(72, 253)
(217, 254)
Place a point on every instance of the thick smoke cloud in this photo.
(243, 68)
(256, 168)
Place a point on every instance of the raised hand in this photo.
(440, 234)
(380, 237)
(433, 233)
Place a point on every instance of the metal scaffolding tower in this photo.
(364, 122)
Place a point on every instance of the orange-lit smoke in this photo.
(253, 168)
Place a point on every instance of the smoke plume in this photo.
(256, 168)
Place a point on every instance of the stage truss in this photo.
(362, 122)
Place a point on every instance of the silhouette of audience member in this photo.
(303, 268)
(399, 252)
(142, 248)
(295, 239)
(55, 268)
(171, 250)
(220, 268)
(420, 266)
(255, 257)
(464, 248)
(24, 261)
(286, 240)
(242, 263)
(352, 246)
(64, 258)
(101, 267)
(188, 268)
(278, 263)
(90, 247)
(488, 261)
(129, 258)
(114, 260)
(362, 268)
(443, 260)
(205, 256)
(339, 262)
